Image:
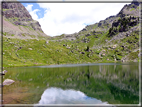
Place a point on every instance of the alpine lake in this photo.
(96, 83)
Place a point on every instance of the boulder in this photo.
(68, 47)
(82, 52)
(99, 24)
(8, 82)
(19, 48)
(114, 46)
(88, 34)
(30, 49)
(47, 42)
(84, 29)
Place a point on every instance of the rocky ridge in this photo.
(130, 10)
(121, 29)
(18, 23)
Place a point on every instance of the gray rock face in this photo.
(18, 15)
(15, 13)
(15, 10)
(131, 9)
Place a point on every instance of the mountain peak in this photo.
(136, 2)
(16, 15)
(11, 10)
(130, 9)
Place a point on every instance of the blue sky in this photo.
(35, 6)
(58, 18)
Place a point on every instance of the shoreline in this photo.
(34, 65)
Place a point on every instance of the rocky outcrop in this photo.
(12, 10)
(130, 10)
(16, 17)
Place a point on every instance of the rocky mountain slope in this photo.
(116, 34)
(131, 10)
(18, 23)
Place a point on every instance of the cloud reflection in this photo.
(59, 96)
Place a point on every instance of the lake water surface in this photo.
(100, 83)
(59, 96)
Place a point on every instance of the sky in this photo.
(67, 18)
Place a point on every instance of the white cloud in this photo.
(32, 12)
(29, 7)
(69, 18)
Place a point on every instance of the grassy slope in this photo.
(41, 53)
(37, 52)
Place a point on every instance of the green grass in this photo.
(12, 35)
(4, 33)
(41, 53)
(5, 9)
(37, 52)
(132, 9)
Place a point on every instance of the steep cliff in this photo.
(18, 23)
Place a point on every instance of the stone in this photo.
(68, 47)
(114, 46)
(8, 82)
(82, 52)
(47, 85)
(84, 29)
(88, 35)
(47, 42)
(99, 24)
(19, 48)
(103, 54)
(30, 79)
(30, 49)
(135, 60)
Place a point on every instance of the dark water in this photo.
(111, 83)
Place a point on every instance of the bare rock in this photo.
(8, 82)
(14, 13)
(88, 35)
(30, 49)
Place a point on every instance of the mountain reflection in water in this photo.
(114, 83)
(59, 96)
